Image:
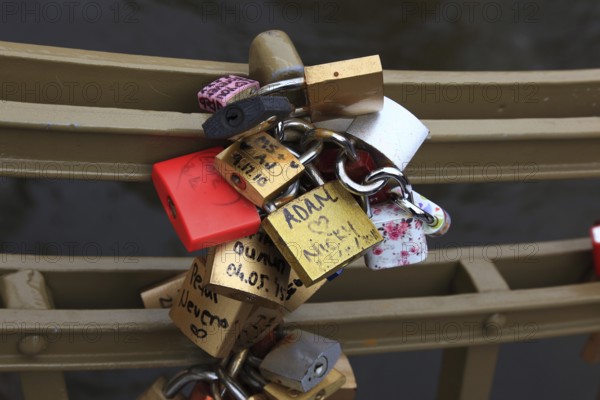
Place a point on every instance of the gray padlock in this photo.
(301, 360)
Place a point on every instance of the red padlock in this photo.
(356, 170)
(203, 208)
(595, 235)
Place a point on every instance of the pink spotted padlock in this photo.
(226, 90)
(404, 240)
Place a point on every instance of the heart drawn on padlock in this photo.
(315, 225)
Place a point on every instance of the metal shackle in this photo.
(235, 390)
(251, 377)
(313, 173)
(327, 135)
(282, 86)
(360, 189)
(307, 158)
(405, 198)
(179, 381)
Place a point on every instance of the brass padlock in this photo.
(259, 323)
(348, 389)
(298, 293)
(259, 167)
(164, 294)
(273, 57)
(321, 231)
(339, 89)
(331, 384)
(249, 269)
(210, 320)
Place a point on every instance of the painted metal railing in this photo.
(485, 126)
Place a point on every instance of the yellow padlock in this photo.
(210, 320)
(259, 167)
(348, 389)
(344, 88)
(321, 231)
(339, 89)
(249, 269)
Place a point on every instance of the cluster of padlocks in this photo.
(311, 181)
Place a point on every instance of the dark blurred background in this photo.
(38, 215)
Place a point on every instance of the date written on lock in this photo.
(249, 269)
(210, 320)
(259, 167)
(321, 231)
(259, 323)
(298, 293)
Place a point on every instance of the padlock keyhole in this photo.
(319, 369)
(234, 117)
(172, 208)
(238, 181)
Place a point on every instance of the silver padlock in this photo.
(392, 135)
(301, 360)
